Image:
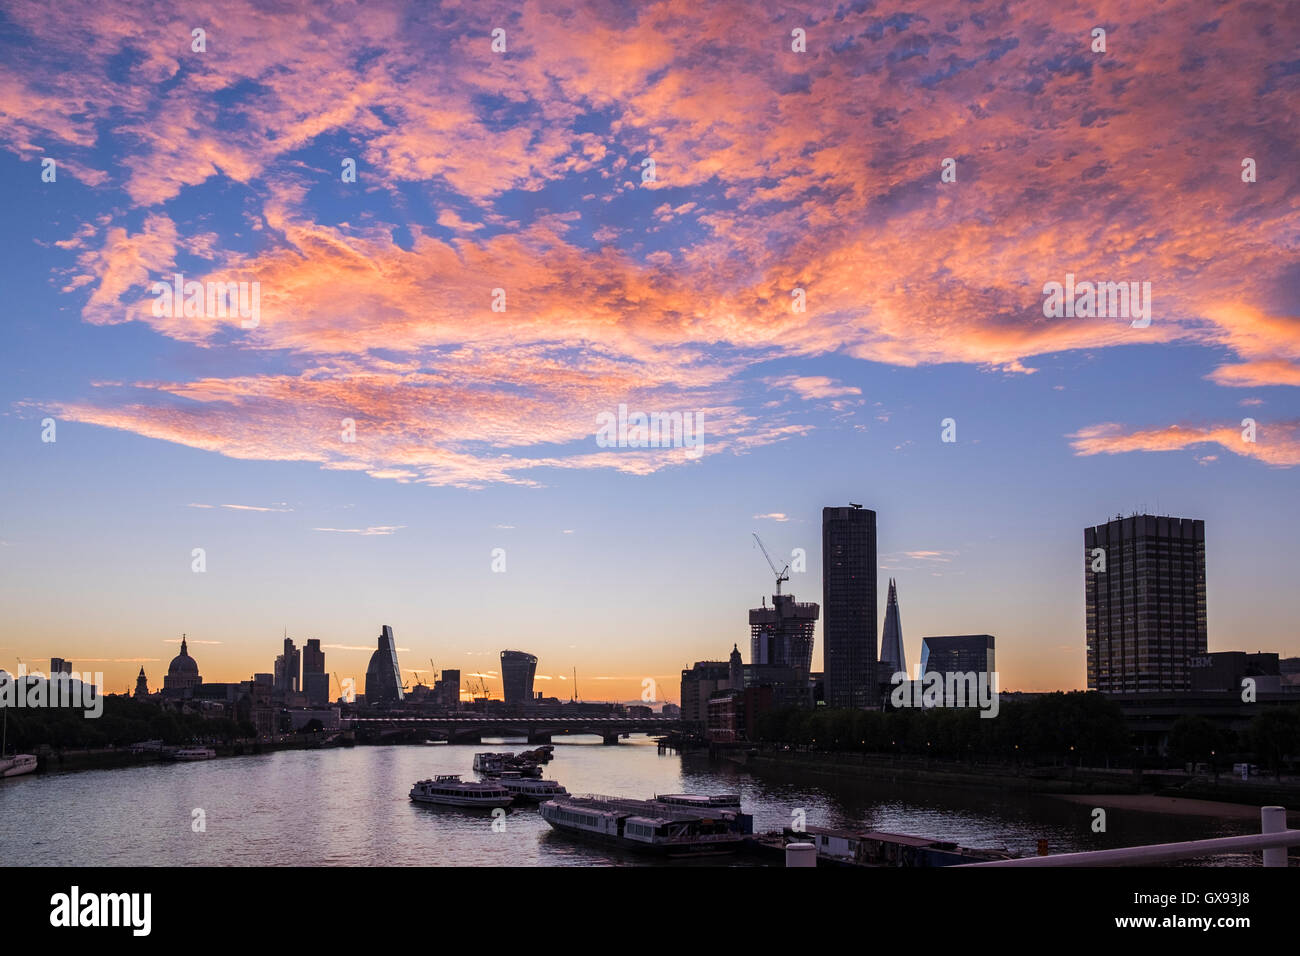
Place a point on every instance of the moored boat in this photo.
(648, 826)
(528, 790)
(701, 801)
(449, 790)
(17, 765)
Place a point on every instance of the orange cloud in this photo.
(1275, 443)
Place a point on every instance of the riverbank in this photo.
(1044, 780)
(55, 761)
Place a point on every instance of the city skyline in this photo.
(829, 263)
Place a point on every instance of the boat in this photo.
(493, 765)
(17, 765)
(449, 790)
(648, 826)
(189, 754)
(871, 848)
(527, 790)
(490, 763)
(700, 801)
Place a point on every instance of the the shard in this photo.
(892, 659)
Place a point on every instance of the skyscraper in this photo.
(849, 605)
(517, 670)
(288, 669)
(1144, 585)
(315, 680)
(893, 660)
(384, 676)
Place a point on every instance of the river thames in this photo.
(350, 807)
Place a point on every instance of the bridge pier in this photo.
(609, 739)
(464, 737)
(540, 737)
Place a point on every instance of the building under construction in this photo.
(781, 642)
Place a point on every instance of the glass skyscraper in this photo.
(517, 670)
(384, 676)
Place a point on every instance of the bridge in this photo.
(538, 730)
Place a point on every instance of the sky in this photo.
(825, 231)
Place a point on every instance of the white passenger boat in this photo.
(648, 826)
(194, 753)
(700, 801)
(524, 789)
(17, 765)
(449, 790)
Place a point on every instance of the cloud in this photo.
(774, 171)
(1276, 443)
(773, 516)
(381, 529)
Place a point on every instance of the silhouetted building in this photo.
(182, 674)
(699, 683)
(1228, 670)
(1146, 609)
(384, 676)
(781, 646)
(141, 686)
(959, 654)
(517, 671)
(849, 603)
(288, 669)
(446, 692)
(315, 679)
(893, 659)
(59, 666)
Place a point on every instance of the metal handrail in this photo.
(1273, 841)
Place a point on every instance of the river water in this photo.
(349, 806)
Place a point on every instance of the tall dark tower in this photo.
(1144, 585)
(849, 606)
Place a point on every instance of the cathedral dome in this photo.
(182, 664)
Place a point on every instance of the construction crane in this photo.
(780, 575)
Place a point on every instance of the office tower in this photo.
(315, 679)
(893, 660)
(59, 666)
(288, 669)
(1144, 585)
(959, 660)
(384, 675)
(446, 692)
(517, 670)
(849, 602)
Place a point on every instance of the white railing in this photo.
(1273, 839)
